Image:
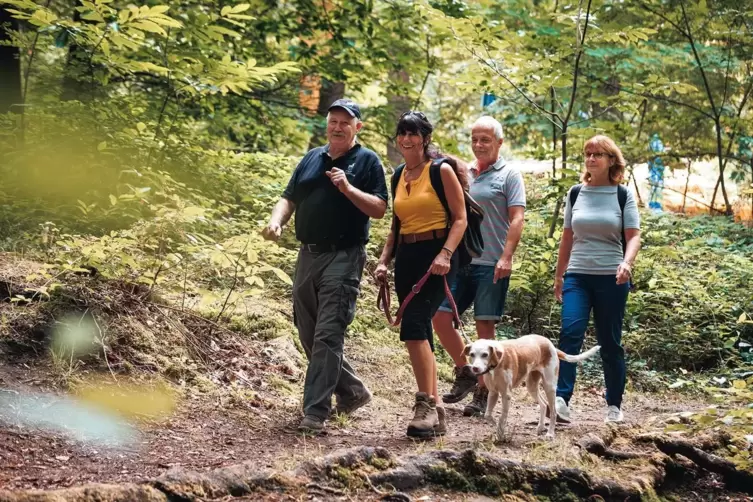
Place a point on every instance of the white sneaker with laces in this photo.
(563, 411)
(614, 415)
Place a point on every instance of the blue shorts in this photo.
(475, 284)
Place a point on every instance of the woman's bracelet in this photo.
(448, 250)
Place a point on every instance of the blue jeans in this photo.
(475, 284)
(580, 294)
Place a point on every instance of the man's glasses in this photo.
(412, 112)
(596, 155)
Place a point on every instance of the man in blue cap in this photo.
(334, 191)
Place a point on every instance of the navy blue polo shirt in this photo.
(323, 214)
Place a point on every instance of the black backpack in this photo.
(621, 198)
(472, 245)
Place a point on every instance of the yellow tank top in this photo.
(420, 210)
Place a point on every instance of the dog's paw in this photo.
(549, 436)
(489, 419)
(541, 429)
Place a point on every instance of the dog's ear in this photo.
(467, 350)
(495, 356)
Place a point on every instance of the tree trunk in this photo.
(10, 67)
(727, 205)
(751, 194)
(558, 205)
(554, 136)
(397, 104)
(72, 87)
(687, 182)
(328, 94)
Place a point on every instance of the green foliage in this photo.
(693, 282)
(733, 415)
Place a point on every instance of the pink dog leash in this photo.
(383, 301)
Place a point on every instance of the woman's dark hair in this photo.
(417, 123)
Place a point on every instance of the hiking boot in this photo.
(614, 415)
(311, 425)
(465, 382)
(425, 417)
(477, 406)
(348, 407)
(440, 428)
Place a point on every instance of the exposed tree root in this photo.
(367, 470)
(89, 493)
(596, 445)
(733, 477)
(671, 447)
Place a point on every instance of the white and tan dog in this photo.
(506, 364)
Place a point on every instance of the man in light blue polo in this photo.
(500, 191)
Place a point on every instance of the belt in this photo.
(329, 248)
(422, 236)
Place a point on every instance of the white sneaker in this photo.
(614, 414)
(563, 412)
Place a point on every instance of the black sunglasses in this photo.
(417, 114)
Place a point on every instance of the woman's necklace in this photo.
(414, 167)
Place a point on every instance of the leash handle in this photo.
(383, 301)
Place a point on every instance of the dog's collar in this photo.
(487, 370)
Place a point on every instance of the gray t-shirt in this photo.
(496, 189)
(596, 221)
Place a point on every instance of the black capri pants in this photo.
(412, 261)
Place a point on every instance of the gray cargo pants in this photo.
(324, 304)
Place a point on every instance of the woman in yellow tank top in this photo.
(423, 237)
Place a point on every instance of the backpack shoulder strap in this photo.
(435, 175)
(622, 196)
(622, 199)
(395, 220)
(574, 191)
(395, 179)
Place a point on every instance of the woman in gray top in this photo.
(599, 244)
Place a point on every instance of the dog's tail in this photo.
(580, 357)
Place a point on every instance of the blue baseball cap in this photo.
(349, 106)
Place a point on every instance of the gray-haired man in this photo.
(500, 191)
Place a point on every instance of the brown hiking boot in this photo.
(465, 382)
(425, 417)
(348, 407)
(477, 407)
(440, 429)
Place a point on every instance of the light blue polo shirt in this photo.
(496, 189)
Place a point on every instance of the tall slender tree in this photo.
(10, 66)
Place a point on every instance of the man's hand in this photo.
(272, 232)
(339, 179)
(502, 269)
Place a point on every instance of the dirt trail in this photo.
(205, 433)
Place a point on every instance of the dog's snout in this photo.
(475, 369)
